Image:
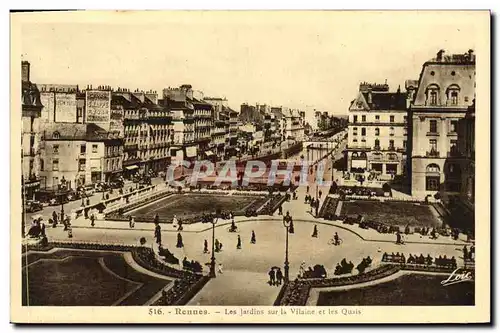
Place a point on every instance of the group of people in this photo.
(469, 254)
(275, 276)
(344, 267)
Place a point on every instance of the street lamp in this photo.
(287, 220)
(214, 221)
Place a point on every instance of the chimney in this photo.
(471, 54)
(369, 97)
(440, 55)
(25, 71)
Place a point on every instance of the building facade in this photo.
(445, 91)
(377, 131)
(30, 134)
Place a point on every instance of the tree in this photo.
(386, 187)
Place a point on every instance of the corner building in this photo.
(377, 137)
(445, 91)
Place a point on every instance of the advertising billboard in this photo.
(116, 120)
(65, 107)
(98, 105)
(47, 100)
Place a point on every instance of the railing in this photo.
(432, 153)
(432, 133)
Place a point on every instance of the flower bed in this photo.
(182, 291)
(328, 208)
(117, 215)
(145, 257)
(273, 205)
(298, 291)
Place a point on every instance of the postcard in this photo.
(250, 167)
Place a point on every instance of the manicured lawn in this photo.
(189, 205)
(396, 213)
(413, 290)
(85, 278)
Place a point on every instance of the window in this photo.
(363, 118)
(466, 99)
(363, 131)
(454, 126)
(433, 98)
(377, 131)
(55, 149)
(377, 117)
(83, 149)
(391, 131)
(391, 119)
(454, 98)
(404, 144)
(94, 149)
(354, 140)
(377, 144)
(42, 165)
(55, 181)
(433, 144)
(81, 164)
(391, 144)
(432, 183)
(55, 165)
(355, 119)
(433, 126)
(56, 135)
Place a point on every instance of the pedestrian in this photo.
(205, 246)
(70, 233)
(217, 245)
(42, 229)
(180, 228)
(253, 240)
(302, 269)
(174, 221)
(280, 210)
(466, 254)
(92, 220)
(290, 228)
(219, 268)
(315, 232)
(54, 217)
(157, 219)
(272, 277)
(307, 189)
(238, 245)
(179, 241)
(279, 277)
(320, 194)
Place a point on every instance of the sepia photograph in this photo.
(239, 166)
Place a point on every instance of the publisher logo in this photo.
(457, 276)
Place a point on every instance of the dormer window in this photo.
(432, 94)
(56, 135)
(452, 94)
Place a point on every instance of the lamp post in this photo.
(214, 221)
(287, 219)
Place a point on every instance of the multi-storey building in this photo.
(293, 125)
(148, 131)
(74, 154)
(203, 124)
(467, 148)
(446, 89)
(377, 131)
(220, 129)
(30, 135)
(179, 101)
(232, 148)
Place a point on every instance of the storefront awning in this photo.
(132, 167)
(209, 153)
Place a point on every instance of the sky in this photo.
(301, 60)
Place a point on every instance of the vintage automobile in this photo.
(33, 206)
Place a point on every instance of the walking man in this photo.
(279, 277)
(205, 246)
(92, 220)
(219, 268)
(315, 232)
(253, 240)
(179, 241)
(271, 277)
(238, 245)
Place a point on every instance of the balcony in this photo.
(432, 134)
(131, 147)
(391, 148)
(432, 153)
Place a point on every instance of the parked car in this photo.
(33, 206)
